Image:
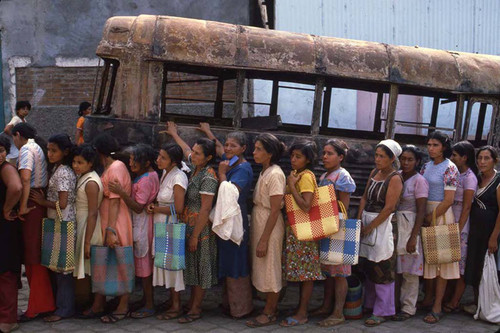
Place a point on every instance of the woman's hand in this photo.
(427, 220)
(115, 187)
(261, 250)
(204, 128)
(411, 246)
(86, 250)
(151, 209)
(223, 167)
(366, 230)
(111, 240)
(9, 215)
(493, 244)
(292, 179)
(193, 244)
(171, 128)
(38, 197)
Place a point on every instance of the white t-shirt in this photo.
(167, 183)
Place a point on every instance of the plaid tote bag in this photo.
(113, 270)
(321, 221)
(170, 243)
(342, 248)
(58, 243)
(441, 243)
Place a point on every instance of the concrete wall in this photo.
(48, 33)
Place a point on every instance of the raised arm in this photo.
(219, 147)
(172, 131)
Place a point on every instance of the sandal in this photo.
(436, 317)
(319, 312)
(91, 314)
(169, 315)
(291, 322)
(402, 316)
(374, 321)
(271, 320)
(450, 309)
(142, 313)
(52, 318)
(189, 318)
(114, 317)
(331, 321)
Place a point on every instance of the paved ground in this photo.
(214, 321)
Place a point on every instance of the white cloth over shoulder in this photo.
(226, 216)
(488, 305)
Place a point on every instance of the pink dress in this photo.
(117, 171)
(144, 191)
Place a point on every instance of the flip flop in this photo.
(402, 316)
(319, 313)
(91, 314)
(331, 321)
(437, 317)
(450, 309)
(375, 321)
(189, 318)
(169, 315)
(52, 319)
(253, 323)
(291, 322)
(142, 313)
(114, 317)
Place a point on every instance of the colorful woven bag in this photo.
(441, 243)
(58, 243)
(113, 270)
(170, 243)
(342, 248)
(321, 221)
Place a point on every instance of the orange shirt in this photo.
(79, 125)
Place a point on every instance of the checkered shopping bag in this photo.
(113, 270)
(170, 243)
(342, 248)
(441, 243)
(58, 243)
(321, 221)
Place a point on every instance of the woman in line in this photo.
(267, 227)
(116, 224)
(376, 208)
(10, 239)
(484, 218)
(411, 209)
(173, 185)
(234, 266)
(301, 257)
(144, 190)
(334, 153)
(61, 191)
(32, 167)
(84, 109)
(89, 194)
(201, 258)
(442, 176)
(464, 157)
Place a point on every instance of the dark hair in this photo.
(340, 146)
(272, 145)
(143, 154)
(174, 151)
(465, 148)
(88, 153)
(25, 130)
(491, 149)
(5, 142)
(419, 156)
(240, 137)
(308, 148)
(83, 106)
(63, 141)
(444, 139)
(386, 150)
(106, 145)
(23, 104)
(208, 146)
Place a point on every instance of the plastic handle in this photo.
(58, 210)
(434, 218)
(342, 209)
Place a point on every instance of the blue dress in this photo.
(233, 259)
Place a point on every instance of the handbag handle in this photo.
(172, 218)
(434, 218)
(58, 210)
(342, 209)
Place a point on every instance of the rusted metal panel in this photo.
(215, 44)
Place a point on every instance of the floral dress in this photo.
(302, 258)
(201, 265)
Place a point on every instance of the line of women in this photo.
(114, 210)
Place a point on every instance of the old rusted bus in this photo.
(158, 68)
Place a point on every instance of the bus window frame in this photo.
(110, 65)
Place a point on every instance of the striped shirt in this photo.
(31, 157)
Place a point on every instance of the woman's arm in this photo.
(442, 208)
(391, 200)
(8, 129)
(26, 183)
(39, 198)
(362, 202)
(411, 245)
(78, 135)
(262, 246)
(115, 187)
(172, 131)
(12, 182)
(466, 206)
(303, 199)
(205, 128)
(179, 193)
(493, 241)
(345, 198)
(111, 236)
(201, 220)
(92, 192)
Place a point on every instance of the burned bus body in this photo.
(158, 68)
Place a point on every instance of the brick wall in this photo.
(55, 86)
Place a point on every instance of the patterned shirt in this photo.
(63, 180)
(31, 157)
(441, 177)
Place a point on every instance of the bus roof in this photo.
(221, 45)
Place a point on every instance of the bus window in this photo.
(108, 79)
(480, 122)
(295, 103)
